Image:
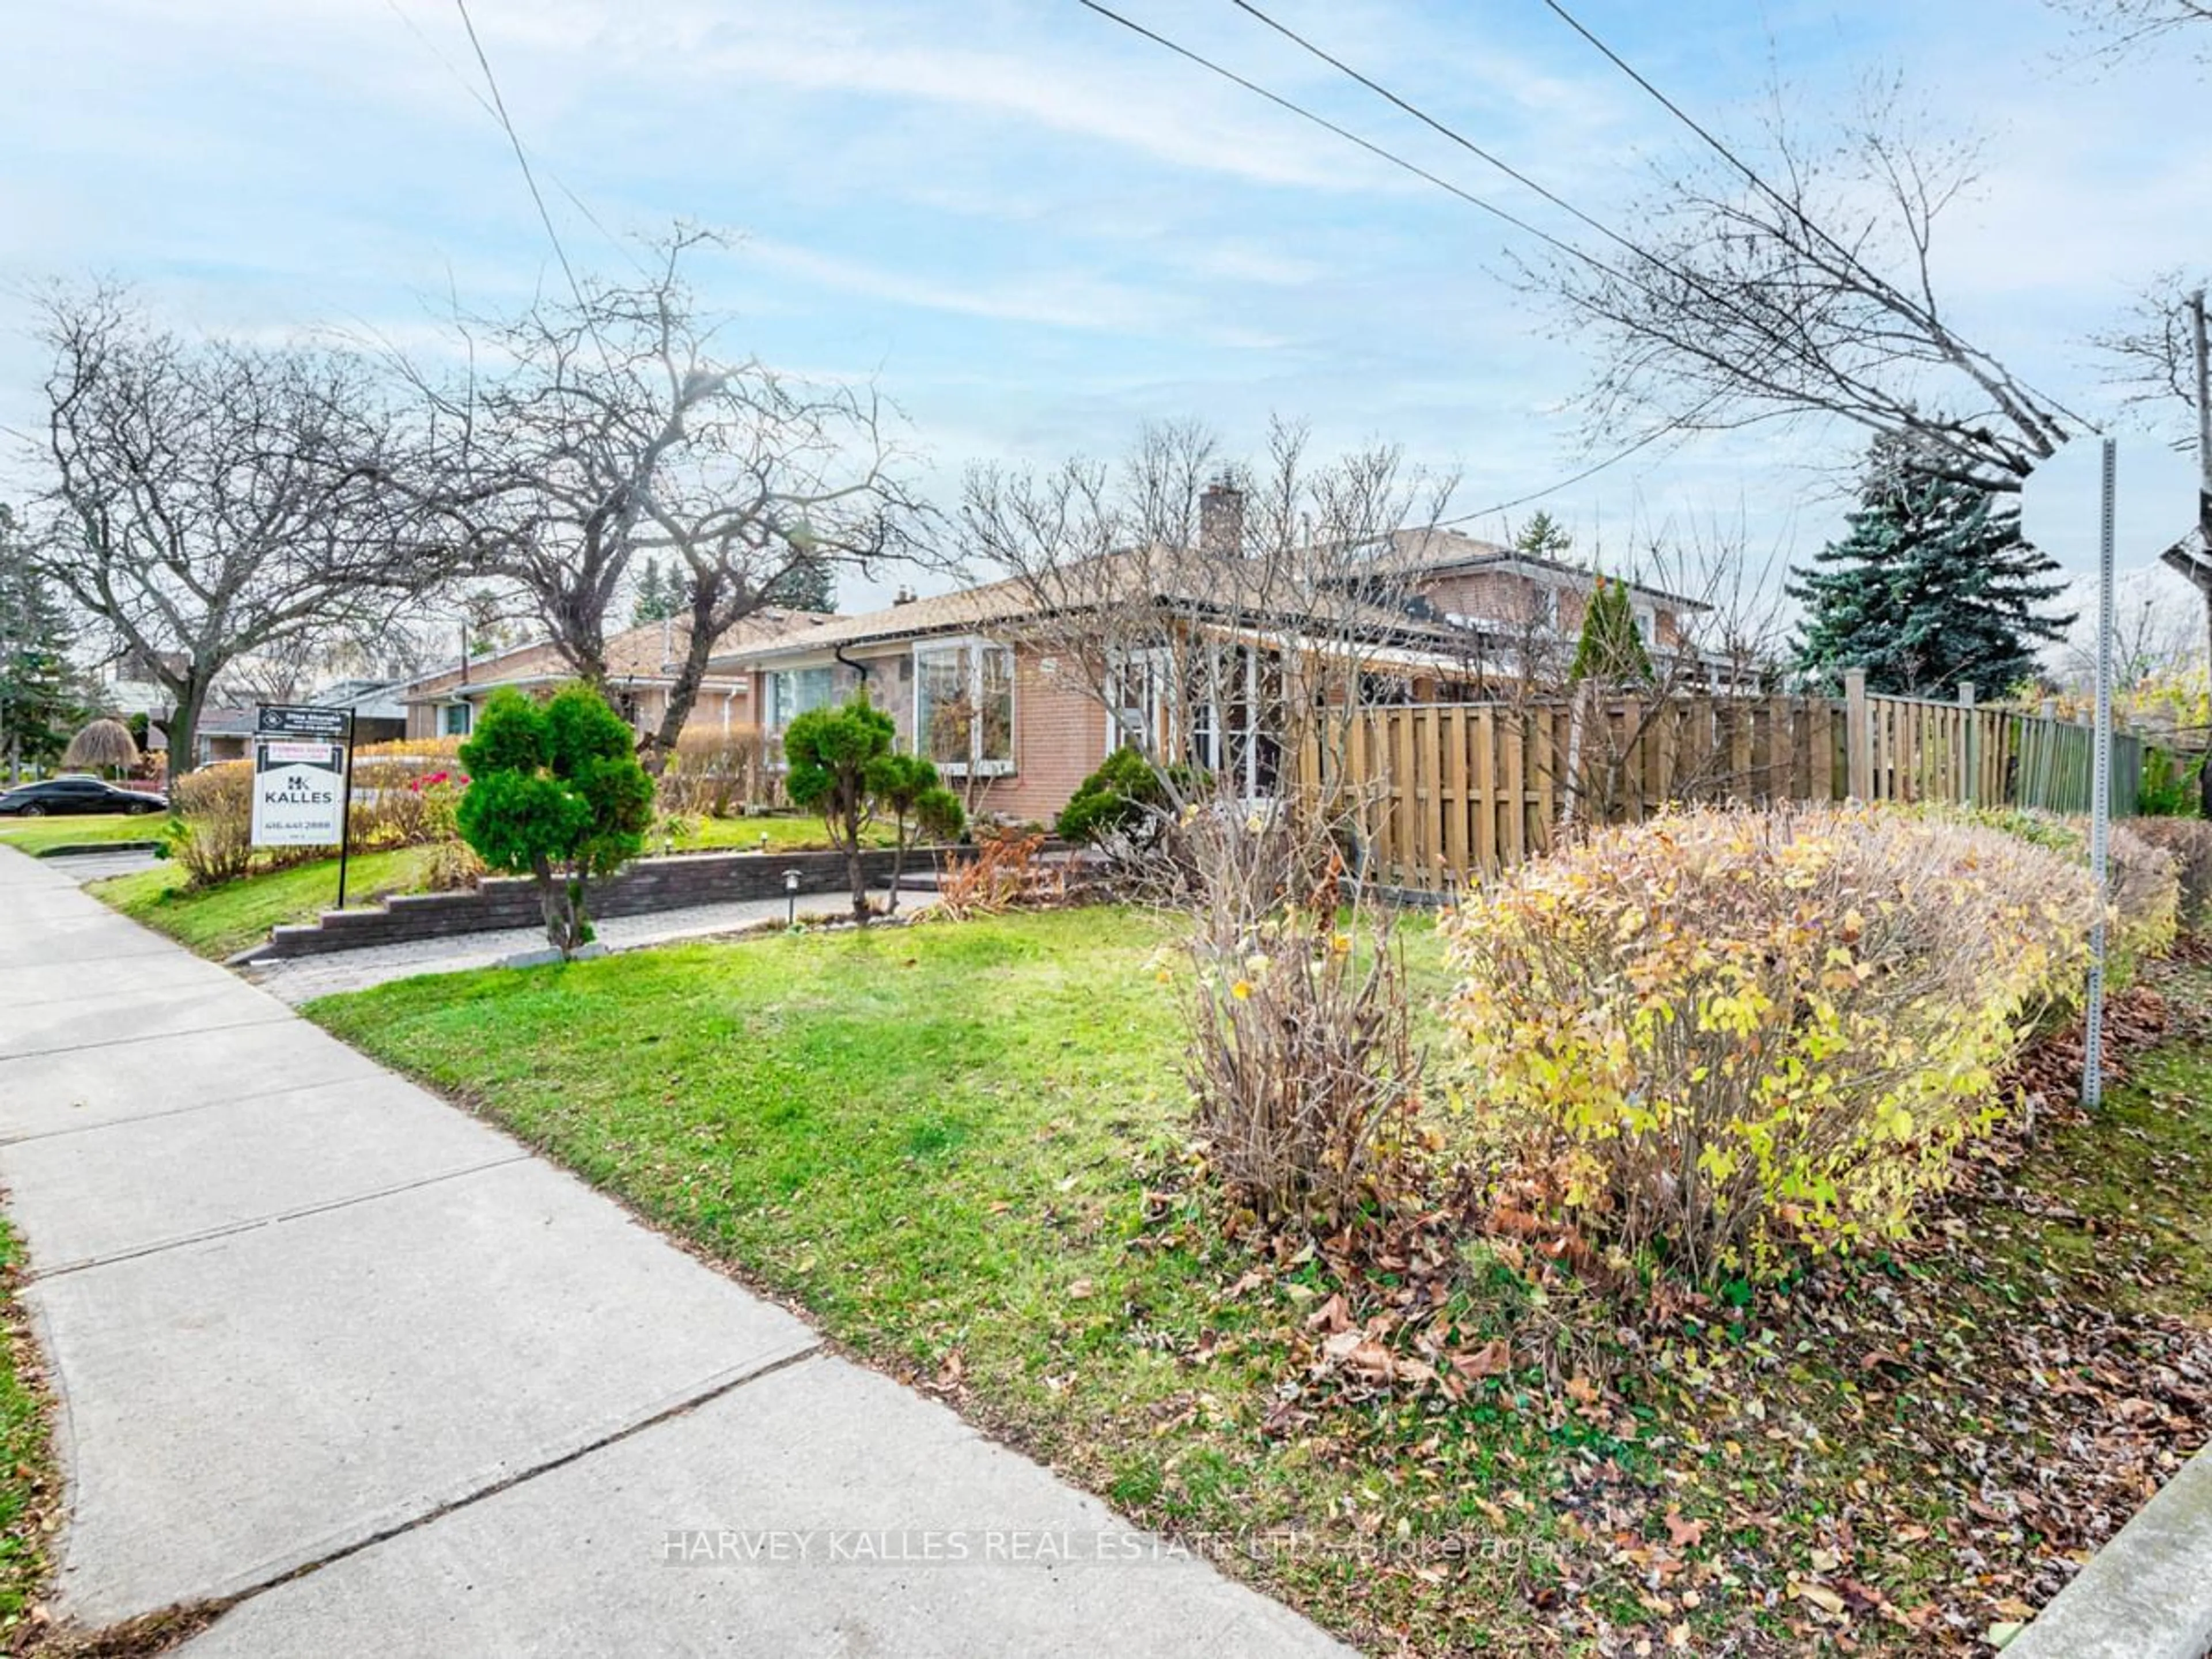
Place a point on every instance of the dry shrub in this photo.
(2144, 883)
(1728, 1034)
(1300, 1053)
(2142, 877)
(2189, 841)
(401, 790)
(716, 774)
(451, 865)
(212, 835)
(1004, 873)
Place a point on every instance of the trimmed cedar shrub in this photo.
(1727, 1036)
(556, 792)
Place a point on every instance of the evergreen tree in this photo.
(811, 585)
(1543, 538)
(39, 701)
(1610, 653)
(1930, 586)
(657, 596)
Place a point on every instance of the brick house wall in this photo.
(1059, 736)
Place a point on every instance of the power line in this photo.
(1567, 482)
(499, 109)
(1430, 121)
(1346, 133)
(1811, 226)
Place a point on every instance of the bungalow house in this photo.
(641, 668)
(977, 681)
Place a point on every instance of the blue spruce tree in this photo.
(1930, 586)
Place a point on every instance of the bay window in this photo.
(963, 707)
(795, 691)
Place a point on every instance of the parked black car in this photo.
(75, 795)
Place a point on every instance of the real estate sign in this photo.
(299, 777)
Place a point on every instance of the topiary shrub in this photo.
(830, 752)
(554, 789)
(1115, 802)
(1126, 807)
(905, 788)
(1726, 1036)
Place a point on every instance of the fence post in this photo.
(1972, 745)
(1858, 738)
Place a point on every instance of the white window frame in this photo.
(978, 764)
(1209, 737)
(779, 716)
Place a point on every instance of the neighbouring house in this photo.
(641, 668)
(1017, 724)
(379, 715)
(225, 732)
(1478, 585)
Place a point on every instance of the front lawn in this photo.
(743, 835)
(961, 1146)
(94, 829)
(220, 921)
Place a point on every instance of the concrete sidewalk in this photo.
(301, 1314)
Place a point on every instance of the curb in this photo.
(2147, 1594)
(93, 849)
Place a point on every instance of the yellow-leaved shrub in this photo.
(1727, 1035)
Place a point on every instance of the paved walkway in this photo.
(303, 1314)
(82, 867)
(296, 979)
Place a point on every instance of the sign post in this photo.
(2100, 790)
(303, 779)
(2060, 502)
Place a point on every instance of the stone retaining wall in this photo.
(672, 883)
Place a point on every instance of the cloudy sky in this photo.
(1034, 229)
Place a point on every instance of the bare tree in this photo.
(2148, 355)
(212, 500)
(1229, 618)
(1803, 289)
(594, 431)
(2128, 25)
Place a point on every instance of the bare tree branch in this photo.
(1809, 297)
(208, 501)
(609, 428)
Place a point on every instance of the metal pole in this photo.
(2100, 794)
(345, 807)
(2204, 365)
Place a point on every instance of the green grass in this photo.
(220, 921)
(26, 1475)
(37, 835)
(963, 1149)
(2127, 1225)
(785, 835)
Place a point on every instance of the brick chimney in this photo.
(1221, 519)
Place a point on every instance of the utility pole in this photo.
(2194, 561)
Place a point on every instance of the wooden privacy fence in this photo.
(1451, 792)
